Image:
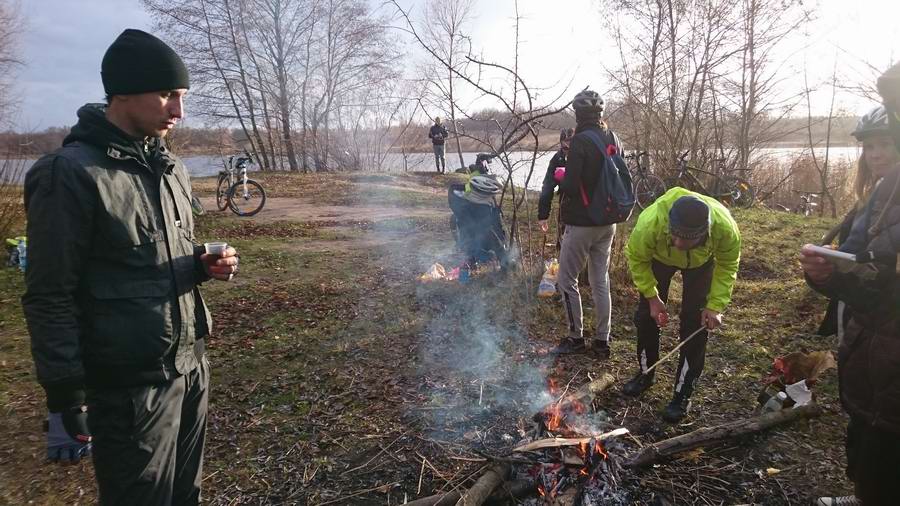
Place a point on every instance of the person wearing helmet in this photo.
(554, 175)
(481, 190)
(696, 235)
(867, 316)
(438, 134)
(584, 241)
(879, 157)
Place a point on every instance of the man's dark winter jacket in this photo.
(437, 134)
(549, 186)
(111, 287)
(869, 353)
(583, 167)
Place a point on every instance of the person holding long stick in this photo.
(693, 234)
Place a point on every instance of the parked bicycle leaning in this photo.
(647, 186)
(726, 188)
(244, 196)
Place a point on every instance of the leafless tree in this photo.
(443, 29)
(11, 26)
(11, 163)
(701, 76)
(511, 94)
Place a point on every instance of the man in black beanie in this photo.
(112, 299)
(696, 235)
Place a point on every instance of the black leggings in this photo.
(696, 283)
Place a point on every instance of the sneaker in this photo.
(677, 409)
(569, 345)
(847, 500)
(600, 349)
(638, 384)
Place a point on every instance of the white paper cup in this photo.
(215, 248)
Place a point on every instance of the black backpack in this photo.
(613, 200)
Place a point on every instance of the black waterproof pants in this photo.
(696, 283)
(148, 440)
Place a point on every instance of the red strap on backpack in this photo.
(611, 150)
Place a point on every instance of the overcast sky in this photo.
(65, 40)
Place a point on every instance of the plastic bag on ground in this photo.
(434, 273)
(547, 286)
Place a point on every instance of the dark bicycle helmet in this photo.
(588, 100)
(873, 122)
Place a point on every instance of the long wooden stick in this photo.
(682, 343)
(711, 435)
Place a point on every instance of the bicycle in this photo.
(807, 205)
(647, 186)
(729, 189)
(244, 196)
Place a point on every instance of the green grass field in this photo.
(336, 373)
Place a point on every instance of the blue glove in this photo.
(68, 437)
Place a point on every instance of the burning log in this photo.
(564, 441)
(589, 391)
(712, 435)
(553, 416)
(482, 488)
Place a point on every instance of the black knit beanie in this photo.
(138, 62)
(689, 218)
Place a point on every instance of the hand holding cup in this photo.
(220, 260)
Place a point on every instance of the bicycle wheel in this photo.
(647, 189)
(246, 200)
(737, 192)
(197, 206)
(222, 192)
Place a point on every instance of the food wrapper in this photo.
(547, 286)
(434, 273)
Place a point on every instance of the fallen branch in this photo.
(482, 488)
(518, 489)
(712, 435)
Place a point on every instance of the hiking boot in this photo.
(847, 500)
(569, 345)
(637, 385)
(600, 350)
(677, 409)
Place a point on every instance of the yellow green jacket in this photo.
(650, 240)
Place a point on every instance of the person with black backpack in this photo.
(589, 231)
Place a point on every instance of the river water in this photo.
(204, 166)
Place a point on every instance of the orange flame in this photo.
(598, 448)
(555, 418)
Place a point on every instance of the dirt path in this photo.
(304, 210)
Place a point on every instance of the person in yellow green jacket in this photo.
(696, 235)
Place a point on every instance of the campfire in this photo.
(569, 458)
